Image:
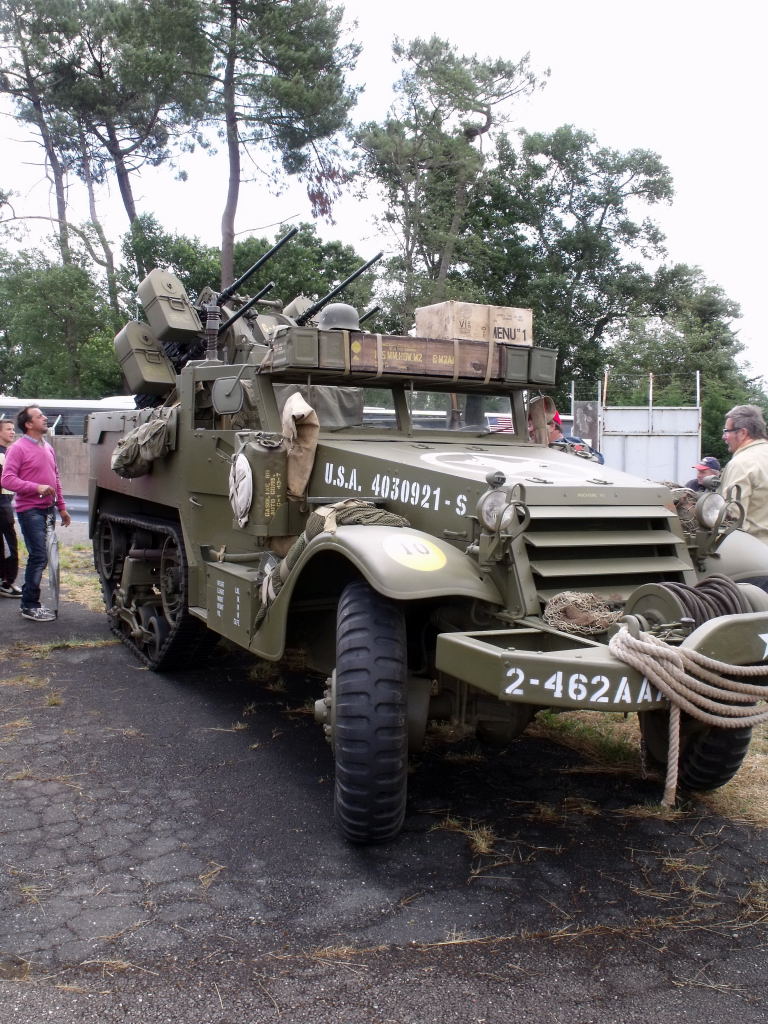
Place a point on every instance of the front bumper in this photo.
(530, 665)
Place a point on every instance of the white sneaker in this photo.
(9, 590)
(38, 614)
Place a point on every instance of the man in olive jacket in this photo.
(745, 437)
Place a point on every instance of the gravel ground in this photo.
(167, 854)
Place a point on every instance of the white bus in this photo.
(65, 415)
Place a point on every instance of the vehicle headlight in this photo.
(709, 509)
(494, 510)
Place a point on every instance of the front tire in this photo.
(370, 728)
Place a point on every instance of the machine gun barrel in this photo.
(246, 306)
(369, 313)
(317, 306)
(232, 289)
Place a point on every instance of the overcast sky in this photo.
(684, 78)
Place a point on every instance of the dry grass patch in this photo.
(35, 893)
(608, 738)
(24, 682)
(482, 838)
(753, 904)
(207, 878)
(10, 730)
(25, 648)
(745, 797)
(612, 743)
(658, 811)
(79, 580)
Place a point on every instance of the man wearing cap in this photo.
(745, 437)
(707, 475)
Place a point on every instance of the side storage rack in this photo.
(330, 354)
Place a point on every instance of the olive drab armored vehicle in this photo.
(389, 505)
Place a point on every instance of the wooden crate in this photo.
(475, 322)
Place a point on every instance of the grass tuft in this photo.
(482, 838)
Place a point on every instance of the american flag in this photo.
(499, 421)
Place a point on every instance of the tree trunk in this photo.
(109, 259)
(233, 153)
(449, 249)
(52, 156)
(122, 173)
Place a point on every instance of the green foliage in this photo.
(695, 335)
(286, 65)
(279, 89)
(555, 230)
(147, 245)
(426, 158)
(55, 339)
(305, 265)
(108, 84)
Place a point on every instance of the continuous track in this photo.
(155, 622)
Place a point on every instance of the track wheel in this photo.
(108, 555)
(370, 729)
(709, 756)
(155, 633)
(171, 582)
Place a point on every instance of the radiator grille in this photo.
(608, 551)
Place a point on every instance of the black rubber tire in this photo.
(370, 736)
(709, 756)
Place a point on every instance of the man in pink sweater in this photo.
(30, 471)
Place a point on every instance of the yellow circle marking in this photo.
(356, 347)
(415, 552)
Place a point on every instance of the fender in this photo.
(402, 564)
(741, 556)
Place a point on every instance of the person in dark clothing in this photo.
(707, 475)
(9, 545)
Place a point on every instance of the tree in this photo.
(32, 33)
(132, 76)
(147, 245)
(55, 330)
(428, 156)
(696, 335)
(305, 265)
(107, 85)
(279, 89)
(556, 230)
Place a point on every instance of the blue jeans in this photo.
(34, 524)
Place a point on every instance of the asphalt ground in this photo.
(167, 854)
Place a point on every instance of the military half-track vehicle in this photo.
(390, 507)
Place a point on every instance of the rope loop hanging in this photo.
(713, 692)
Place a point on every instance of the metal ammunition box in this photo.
(169, 311)
(542, 366)
(145, 366)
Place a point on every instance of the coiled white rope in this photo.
(695, 684)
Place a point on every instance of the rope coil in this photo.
(696, 684)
